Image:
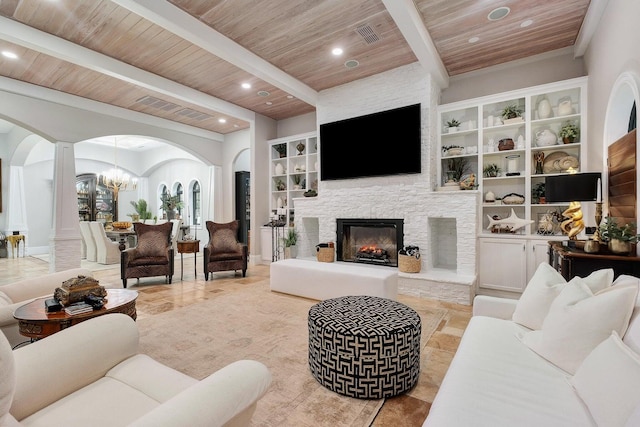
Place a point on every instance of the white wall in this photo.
(303, 123)
(614, 49)
(540, 69)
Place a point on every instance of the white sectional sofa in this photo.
(552, 358)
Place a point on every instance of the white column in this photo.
(65, 239)
(214, 211)
(16, 206)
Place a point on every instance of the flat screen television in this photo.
(378, 144)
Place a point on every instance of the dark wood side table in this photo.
(572, 262)
(188, 247)
(34, 321)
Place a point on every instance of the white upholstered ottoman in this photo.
(322, 280)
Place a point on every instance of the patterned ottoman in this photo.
(364, 346)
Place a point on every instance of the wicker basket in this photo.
(408, 264)
(326, 254)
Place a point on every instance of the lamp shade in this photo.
(576, 187)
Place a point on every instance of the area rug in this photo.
(251, 322)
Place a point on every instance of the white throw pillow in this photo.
(578, 321)
(607, 382)
(545, 285)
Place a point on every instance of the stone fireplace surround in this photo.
(442, 224)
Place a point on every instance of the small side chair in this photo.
(153, 255)
(224, 252)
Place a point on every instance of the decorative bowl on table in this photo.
(121, 225)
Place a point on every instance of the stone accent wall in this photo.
(411, 197)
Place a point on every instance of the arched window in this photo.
(196, 204)
(180, 194)
(161, 195)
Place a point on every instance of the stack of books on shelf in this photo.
(78, 308)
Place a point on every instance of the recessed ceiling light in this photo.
(498, 13)
(352, 63)
(263, 93)
(268, 102)
(526, 23)
(235, 125)
(246, 85)
(337, 51)
(289, 96)
(221, 120)
(474, 39)
(8, 54)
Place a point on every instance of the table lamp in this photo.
(575, 188)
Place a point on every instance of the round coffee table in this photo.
(364, 346)
(34, 322)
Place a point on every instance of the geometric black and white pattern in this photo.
(363, 346)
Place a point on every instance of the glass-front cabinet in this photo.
(95, 201)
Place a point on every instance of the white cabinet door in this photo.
(503, 264)
(538, 252)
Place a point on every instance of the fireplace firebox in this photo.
(369, 241)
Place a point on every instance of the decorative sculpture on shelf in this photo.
(507, 225)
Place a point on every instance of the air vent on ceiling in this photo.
(367, 33)
(263, 93)
(157, 103)
(193, 114)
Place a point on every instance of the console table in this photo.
(572, 262)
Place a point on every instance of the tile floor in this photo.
(156, 297)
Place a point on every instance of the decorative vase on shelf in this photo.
(279, 169)
(300, 148)
(564, 106)
(544, 108)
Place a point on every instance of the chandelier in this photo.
(116, 179)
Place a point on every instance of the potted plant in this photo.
(511, 114)
(141, 210)
(453, 125)
(491, 170)
(619, 238)
(456, 168)
(538, 194)
(289, 241)
(569, 132)
(452, 150)
(280, 185)
(170, 203)
(281, 149)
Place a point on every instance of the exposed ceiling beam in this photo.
(589, 26)
(182, 24)
(40, 41)
(409, 21)
(38, 92)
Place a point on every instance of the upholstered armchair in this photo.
(152, 256)
(224, 252)
(93, 374)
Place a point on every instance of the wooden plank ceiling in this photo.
(292, 36)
